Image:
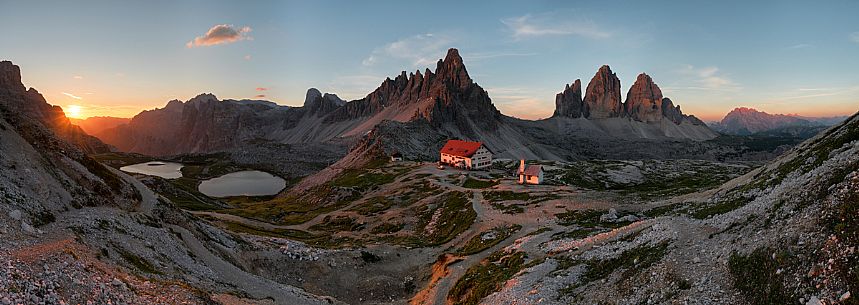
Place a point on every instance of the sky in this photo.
(116, 58)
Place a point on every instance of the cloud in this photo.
(548, 24)
(78, 77)
(854, 37)
(821, 92)
(708, 78)
(247, 57)
(800, 46)
(261, 89)
(419, 50)
(72, 96)
(220, 34)
(259, 95)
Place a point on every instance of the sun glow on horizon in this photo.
(74, 111)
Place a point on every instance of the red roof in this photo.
(460, 148)
(533, 170)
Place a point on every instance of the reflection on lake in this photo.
(167, 170)
(244, 183)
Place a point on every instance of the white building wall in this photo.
(482, 158)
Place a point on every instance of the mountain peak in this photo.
(602, 99)
(453, 69)
(312, 95)
(644, 100)
(569, 102)
(202, 97)
(317, 103)
(453, 56)
(745, 110)
(10, 77)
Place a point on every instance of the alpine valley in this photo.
(635, 202)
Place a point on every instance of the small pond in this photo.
(167, 170)
(243, 183)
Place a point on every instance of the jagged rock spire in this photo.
(602, 99)
(644, 100)
(569, 102)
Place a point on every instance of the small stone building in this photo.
(531, 174)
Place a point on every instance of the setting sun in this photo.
(74, 111)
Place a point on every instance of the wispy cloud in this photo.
(72, 95)
(708, 78)
(800, 46)
(78, 77)
(419, 50)
(261, 89)
(247, 57)
(221, 34)
(854, 37)
(816, 89)
(819, 92)
(551, 24)
(259, 95)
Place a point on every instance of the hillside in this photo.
(781, 234)
(75, 231)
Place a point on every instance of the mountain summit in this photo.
(446, 96)
(602, 100)
(644, 101)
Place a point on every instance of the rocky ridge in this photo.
(448, 99)
(31, 104)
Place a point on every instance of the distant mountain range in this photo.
(746, 121)
(445, 103)
(96, 124)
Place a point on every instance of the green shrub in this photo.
(756, 276)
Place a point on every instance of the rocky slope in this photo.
(73, 231)
(450, 103)
(784, 233)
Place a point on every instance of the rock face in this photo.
(670, 111)
(31, 104)
(569, 102)
(644, 100)
(602, 99)
(447, 96)
(319, 105)
(644, 103)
